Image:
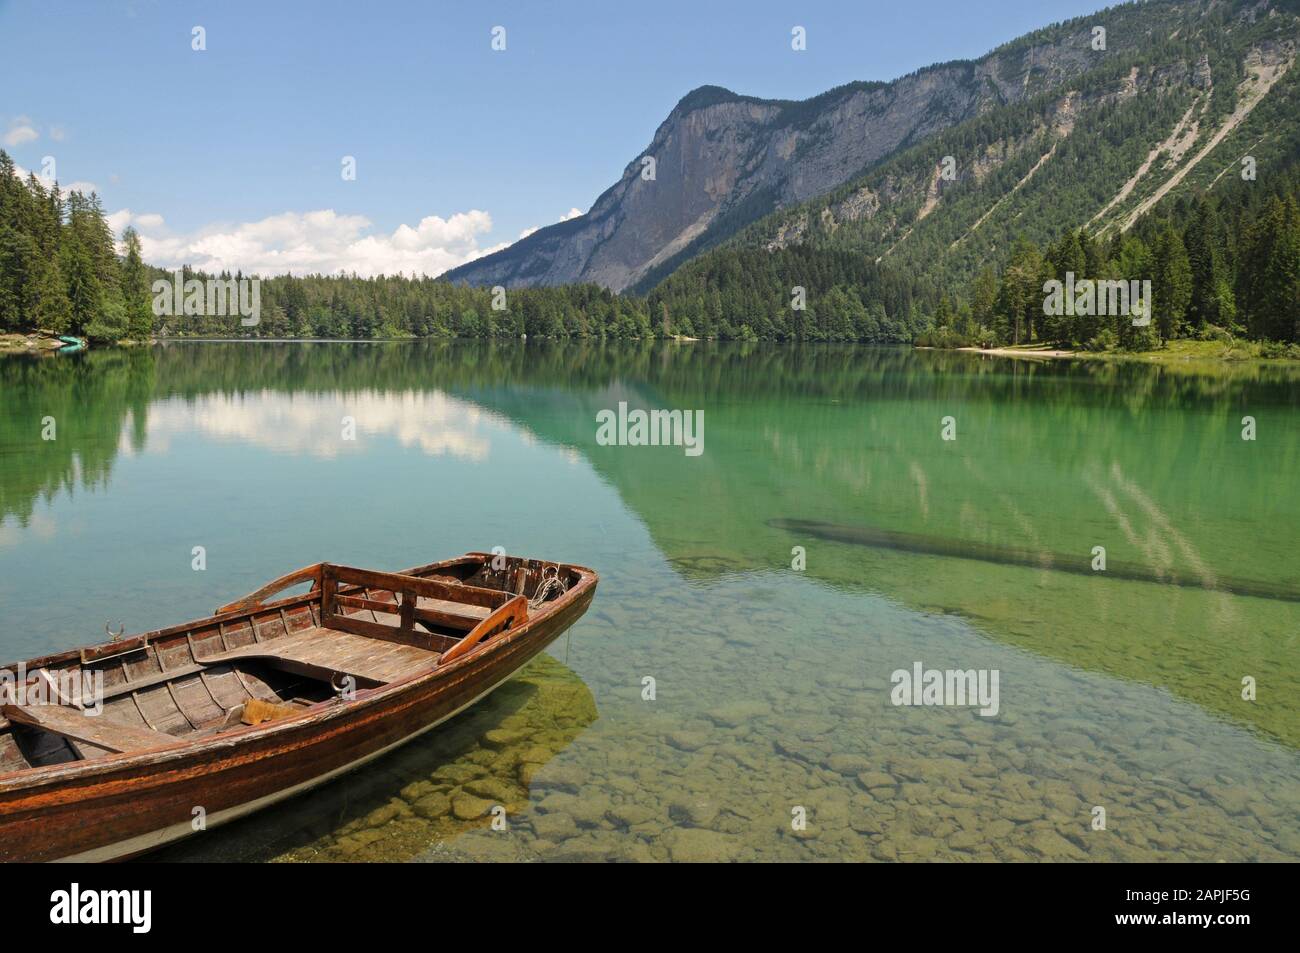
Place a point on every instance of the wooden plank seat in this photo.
(453, 615)
(95, 730)
(320, 652)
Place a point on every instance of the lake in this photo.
(853, 513)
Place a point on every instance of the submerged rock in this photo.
(433, 805)
(695, 845)
(467, 807)
(738, 713)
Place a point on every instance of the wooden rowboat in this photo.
(210, 720)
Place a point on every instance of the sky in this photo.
(233, 156)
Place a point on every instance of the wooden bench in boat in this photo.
(320, 652)
(453, 615)
(75, 724)
(377, 640)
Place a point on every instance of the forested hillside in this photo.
(1173, 163)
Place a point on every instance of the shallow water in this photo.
(772, 685)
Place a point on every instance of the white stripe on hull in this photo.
(154, 839)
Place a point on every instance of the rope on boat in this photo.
(551, 583)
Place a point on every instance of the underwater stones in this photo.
(1233, 800)
(997, 829)
(847, 764)
(528, 772)
(914, 792)
(456, 772)
(589, 847)
(1052, 846)
(698, 812)
(557, 802)
(566, 777)
(697, 845)
(1073, 741)
(554, 826)
(493, 789)
(812, 729)
(636, 852)
(734, 714)
(1021, 812)
(486, 758)
(416, 790)
(588, 811)
(432, 805)
(874, 780)
(467, 807)
(868, 821)
(591, 809)
(353, 844)
(622, 785)
(801, 750)
(537, 753)
(387, 814)
(1288, 842)
(687, 740)
(910, 769)
(743, 756)
(917, 846)
(1092, 791)
(1166, 840)
(956, 798)
(631, 815)
(828, 813)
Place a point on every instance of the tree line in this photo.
(59, 267)
(61, 272)
(1219, 265)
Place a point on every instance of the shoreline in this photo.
(1180, 352)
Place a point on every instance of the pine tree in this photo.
(135, 289)
(1171, 283)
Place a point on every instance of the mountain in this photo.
(723, 161)
(1172, 117)
(1176, 161)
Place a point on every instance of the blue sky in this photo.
(234, 153)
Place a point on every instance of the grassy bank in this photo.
(1175, 352)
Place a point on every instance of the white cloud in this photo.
(571, 213)
(120, 219)
(20, 131)
(65, 187)
(431, 422)
(17, 135)
(319, 242)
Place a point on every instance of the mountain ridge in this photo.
(724, 160)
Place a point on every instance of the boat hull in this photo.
(115, 812)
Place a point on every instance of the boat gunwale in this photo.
(29, 778)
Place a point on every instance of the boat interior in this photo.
(255, 661)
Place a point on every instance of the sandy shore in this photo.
(1019, 352)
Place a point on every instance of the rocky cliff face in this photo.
(722, 160)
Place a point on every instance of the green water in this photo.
(772, 685)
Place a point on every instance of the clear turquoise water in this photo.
(771, 685)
